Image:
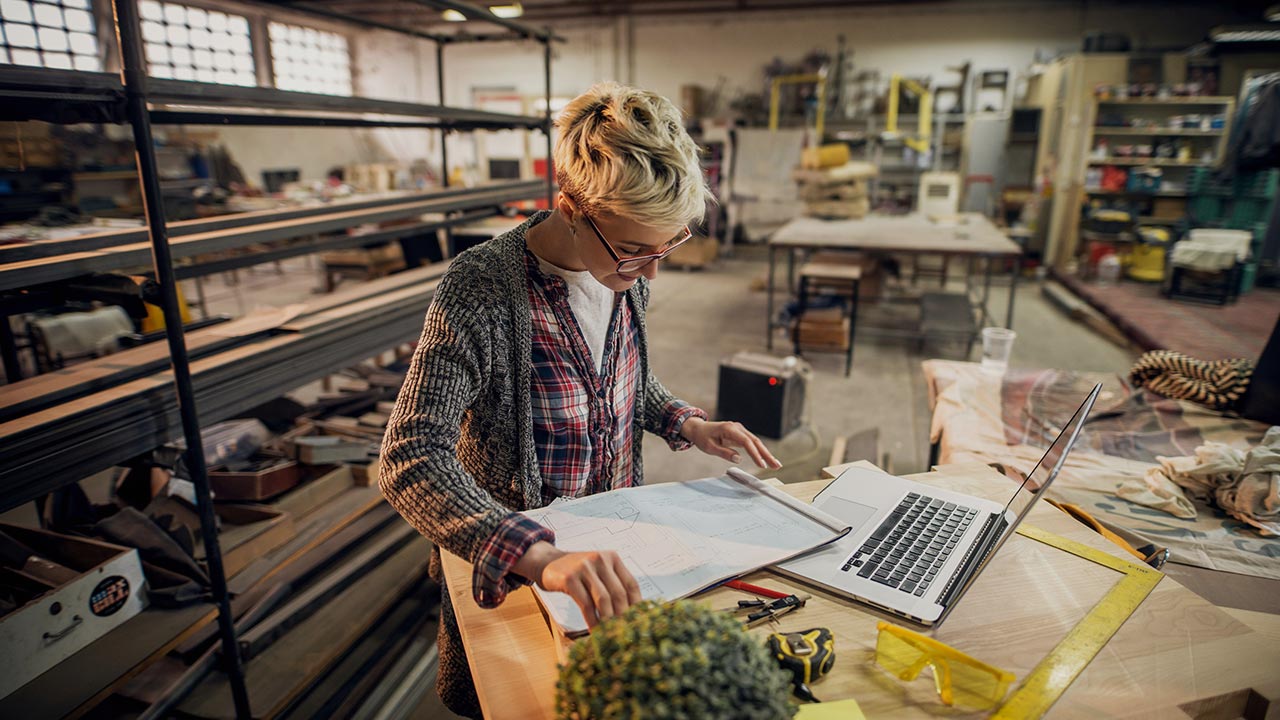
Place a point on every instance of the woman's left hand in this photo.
(721, 438)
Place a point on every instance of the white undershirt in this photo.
(592, 305)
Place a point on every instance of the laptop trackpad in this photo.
(856, 514)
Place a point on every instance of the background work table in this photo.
(1177, 650)
(970, 235)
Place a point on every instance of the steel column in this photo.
(546, 63)
(134, 71)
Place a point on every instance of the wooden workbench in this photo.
(970, 235)
(1176, 649)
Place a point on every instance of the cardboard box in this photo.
(261, 484)
(826, 329)
(64, 620)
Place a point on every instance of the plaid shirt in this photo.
(583, 421)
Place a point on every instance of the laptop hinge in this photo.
(977, 555)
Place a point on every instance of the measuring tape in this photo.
(1041, 688)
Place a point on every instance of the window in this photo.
(191, 43)
(309, 60)
(49, 33)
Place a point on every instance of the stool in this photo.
(832, 273)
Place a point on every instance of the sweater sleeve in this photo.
(419, 472)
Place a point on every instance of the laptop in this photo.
(915, 549)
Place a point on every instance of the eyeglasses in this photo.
(633, 264)
(960, 679)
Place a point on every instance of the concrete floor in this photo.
(699, 317)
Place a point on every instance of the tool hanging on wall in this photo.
(808, 655)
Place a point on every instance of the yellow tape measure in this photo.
(1041, 688)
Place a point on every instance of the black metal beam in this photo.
(134, 70)
(45, 270)
(320, 11)
(220, 101)
(308, 246)
(116, 238)
(60, 96)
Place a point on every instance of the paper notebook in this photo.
(678, 539)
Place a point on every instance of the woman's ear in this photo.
(567, 209)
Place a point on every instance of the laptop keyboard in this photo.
(909, 547)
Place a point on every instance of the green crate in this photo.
(1260, 185)
(1248, 276)
(1245, 214)
(1203, 181)
(1207, 209)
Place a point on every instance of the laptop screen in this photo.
(1050, 463)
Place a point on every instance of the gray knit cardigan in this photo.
(459, 454)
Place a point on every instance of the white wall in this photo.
(908, 39)
(668, 52)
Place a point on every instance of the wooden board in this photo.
(1177, 649)
(285, 669)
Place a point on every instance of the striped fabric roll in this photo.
(1217, 384)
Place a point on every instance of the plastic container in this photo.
(1109, 269)
(997, 346)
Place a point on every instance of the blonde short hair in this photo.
(625, 152)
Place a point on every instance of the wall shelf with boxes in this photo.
(56, 430)
(1141, 151)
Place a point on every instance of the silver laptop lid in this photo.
(1033, 487)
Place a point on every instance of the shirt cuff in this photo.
(493, 579)
(677, 412)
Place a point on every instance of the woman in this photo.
(531, 380)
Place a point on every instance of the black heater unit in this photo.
(764, 393)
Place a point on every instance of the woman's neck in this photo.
(552, 240)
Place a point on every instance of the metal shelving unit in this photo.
(108, 425)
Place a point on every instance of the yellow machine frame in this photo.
(920, 143)
(820, 78)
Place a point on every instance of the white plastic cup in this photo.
(997, 344)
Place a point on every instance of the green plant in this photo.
(671, 662)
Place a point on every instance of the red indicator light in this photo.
(773, 381)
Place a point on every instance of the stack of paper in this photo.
(680, 538)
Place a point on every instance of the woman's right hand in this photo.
(598, 582)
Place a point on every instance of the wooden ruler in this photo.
(1041, 688)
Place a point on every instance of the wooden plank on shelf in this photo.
(74, 686)
(1155, 131)
(1185, 100)
(286, 669)
(1154, 162)
(247, 587)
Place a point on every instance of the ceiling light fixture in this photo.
(1244, 33)
(1273, 14)
(511, 10)
(454, 16)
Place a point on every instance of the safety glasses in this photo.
(634, 264)
(960, 679)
